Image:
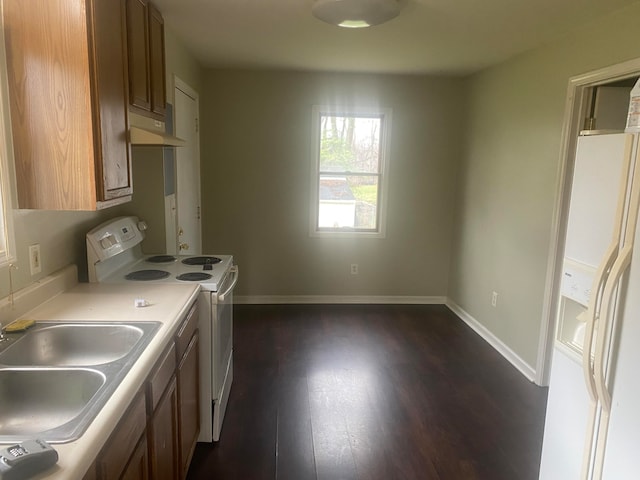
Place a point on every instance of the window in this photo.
(349, 174)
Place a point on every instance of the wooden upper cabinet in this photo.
(67, 82)
(156, 57)
(147, 84)
(138, 48)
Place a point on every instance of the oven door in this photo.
(216, 355)
(223, 331)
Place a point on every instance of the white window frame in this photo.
(7, 239)
(385, 115)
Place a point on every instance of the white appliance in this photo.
(592, 428)
(114, 255)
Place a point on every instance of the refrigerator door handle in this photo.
(600, 359)
(608, 300)
(603, 274)
(595, 302)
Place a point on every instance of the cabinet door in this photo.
(138, 50)
(91, 473)
(163, 432)
(123, 441)
(138, 466)
(189, 403)
(156, 62)
(110, 88)
(69, 105)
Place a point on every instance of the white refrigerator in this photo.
(592, 427)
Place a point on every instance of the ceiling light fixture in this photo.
(356, 13)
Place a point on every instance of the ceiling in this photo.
(429, 36)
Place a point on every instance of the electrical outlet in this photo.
(494, 299)
(354, 269)
(35, 262)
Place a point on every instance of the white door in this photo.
(188, 170)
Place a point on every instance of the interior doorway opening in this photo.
(596, 100)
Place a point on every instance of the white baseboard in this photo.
(336, 299)
(527, 370)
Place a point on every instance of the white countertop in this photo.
(168, 303)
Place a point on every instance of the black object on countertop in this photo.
(23, 460)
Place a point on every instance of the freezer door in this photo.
(594, 196)
(566, 420)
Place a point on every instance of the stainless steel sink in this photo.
(37, 400)
(56, 377)
(72, 344)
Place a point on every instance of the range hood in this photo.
(143, 136)
(147, 131)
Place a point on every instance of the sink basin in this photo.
(72, 344)
(37, 400)
(56, 377)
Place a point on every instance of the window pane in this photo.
(349, 144)
(348, 202)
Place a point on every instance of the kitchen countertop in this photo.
(167, 303)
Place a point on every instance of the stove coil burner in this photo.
(161, 259)
(146, 275)
(201, 260)
(193, 277)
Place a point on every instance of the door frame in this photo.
(184, 87)
(577, 103)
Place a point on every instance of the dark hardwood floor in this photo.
(371, 392)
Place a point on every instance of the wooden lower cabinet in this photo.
(138, 466)
(162, 434)
(156, 437)
(91, 473)
(189, 404)
(123, 442)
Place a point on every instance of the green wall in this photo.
(509, 175)
(256, 166)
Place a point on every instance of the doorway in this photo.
(583, 95)
(188, 222)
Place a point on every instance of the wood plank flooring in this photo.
(335, 392)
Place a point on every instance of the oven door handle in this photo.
(234, 271)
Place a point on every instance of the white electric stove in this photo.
(114, 255)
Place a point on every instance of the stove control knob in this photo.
(107, 242)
